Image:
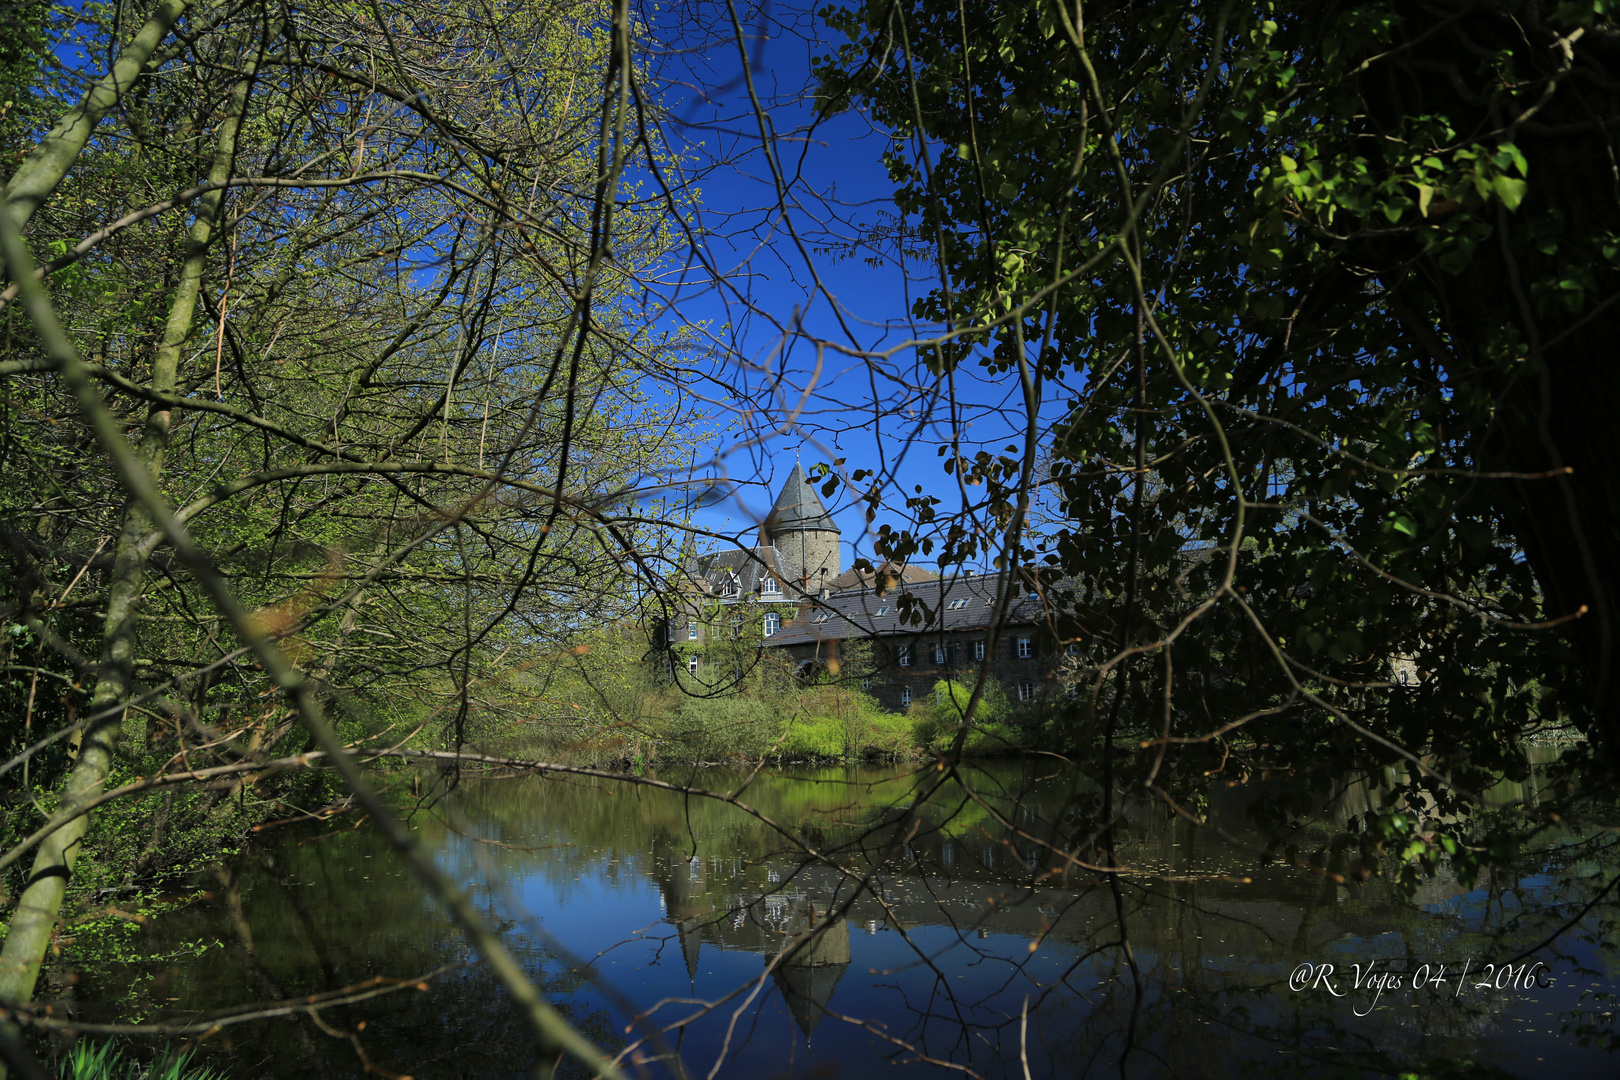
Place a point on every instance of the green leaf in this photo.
(1509, 190)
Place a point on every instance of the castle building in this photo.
(922, 627)
(797, 554)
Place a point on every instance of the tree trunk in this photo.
(34, 919)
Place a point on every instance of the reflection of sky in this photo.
(611, 911)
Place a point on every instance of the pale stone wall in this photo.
(810, 552)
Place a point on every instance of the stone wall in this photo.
(814, 553)
(1024, 678)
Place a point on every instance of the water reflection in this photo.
(944, 936)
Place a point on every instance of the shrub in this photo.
(715, 728)
(936, 720)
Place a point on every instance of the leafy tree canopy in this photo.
(1326, 291)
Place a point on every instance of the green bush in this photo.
(935, 720)
(814, 737)
(712, 729)
(837, 722)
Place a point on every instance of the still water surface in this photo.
(972, 954)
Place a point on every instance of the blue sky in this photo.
(770, 312)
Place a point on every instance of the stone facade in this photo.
(918, 627)
(803, 535)
(952, 641)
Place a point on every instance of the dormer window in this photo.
(729, 588)
(769, 585)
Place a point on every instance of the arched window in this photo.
(773, 623)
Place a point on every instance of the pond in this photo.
(970, 949)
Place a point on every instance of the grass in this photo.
(104, 1061)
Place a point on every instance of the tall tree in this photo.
(359, 286)
(1327, 290)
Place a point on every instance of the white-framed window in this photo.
(691, 631)
(958, 604)
(1023, 648)
(880, 612)
(939, 654)
(903, 658)
(905, 695)
(1026, 691)
(730, 588)
(769, 585)
(773, 623)
(692, 664)
(978, 650)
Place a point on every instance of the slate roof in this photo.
(958, 604)
(897, 575)
(748, 568)
(798, 507)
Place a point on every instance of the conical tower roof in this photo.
(798, 507)
(807, 991)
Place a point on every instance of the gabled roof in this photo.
(798, 507)
(748, 568)
(957, 603)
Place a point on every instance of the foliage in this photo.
(1326, 302)
(104, 1061)
(382, 367)
(938, 719)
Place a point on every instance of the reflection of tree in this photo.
(951, 901)
(336, 910)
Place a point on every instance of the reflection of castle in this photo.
(976, 887)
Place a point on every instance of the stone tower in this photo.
(804, 535)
